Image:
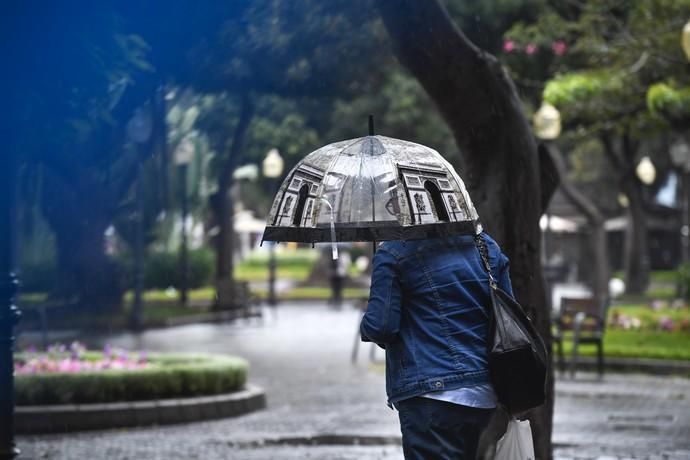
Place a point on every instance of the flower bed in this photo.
(76, 376)
(657, 316)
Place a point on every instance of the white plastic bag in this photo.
(516, 443)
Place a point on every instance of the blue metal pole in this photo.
(9, 313)
(137, 314)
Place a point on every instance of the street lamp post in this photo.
(272, 169)
(9, 313)
(680, 156)
(547, 127)
(139, 130)
(183, 156)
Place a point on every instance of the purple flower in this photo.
(657, 304)
(665, 323)
(531, 48)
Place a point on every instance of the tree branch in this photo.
(234, 155)
(610, 151)
(595, 219)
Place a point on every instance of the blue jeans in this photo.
(439, 430)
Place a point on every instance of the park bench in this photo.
(582, 320)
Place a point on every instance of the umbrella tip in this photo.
(371, 125)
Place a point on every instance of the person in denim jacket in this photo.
(428, 307)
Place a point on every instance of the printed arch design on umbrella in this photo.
(370, 189)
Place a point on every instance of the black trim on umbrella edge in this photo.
(366, 232)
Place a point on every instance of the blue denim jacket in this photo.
(427, 308)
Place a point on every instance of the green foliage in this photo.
(169, 376)
(401, 109)
(296, 258)
(596, 99)
(162, 269)
(580, 88)
(485, 22)
(294, 265)
(38, 277)
(669, 102)
(613, 52)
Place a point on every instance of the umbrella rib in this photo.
(330, 168)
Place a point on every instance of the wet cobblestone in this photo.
(302, 360)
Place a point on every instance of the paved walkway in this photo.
(322, 407)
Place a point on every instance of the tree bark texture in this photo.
(595, 219)
(501, 165)
(636, 239)
(223, 208)
(79, 216)
(636, 247)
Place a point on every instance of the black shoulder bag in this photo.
(517, 354)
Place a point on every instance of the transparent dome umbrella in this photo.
(373, 188)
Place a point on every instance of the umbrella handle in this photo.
(334, 246)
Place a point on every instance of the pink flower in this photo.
(559, 47)
(72, 361)
(531, 48)
(508, 46)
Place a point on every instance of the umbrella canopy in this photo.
(372, 188)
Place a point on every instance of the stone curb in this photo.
(640, 365)
(210, 317)
(77, 417)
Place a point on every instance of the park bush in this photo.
(38, 277)
(165, 376)
(162, 269)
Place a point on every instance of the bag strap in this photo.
(484, 254)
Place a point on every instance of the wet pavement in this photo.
(321, 406)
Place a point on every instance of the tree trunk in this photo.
(87, 276)
(480, 104)
(636, 250)
(223, 208)
(598, 242)
(636, 255)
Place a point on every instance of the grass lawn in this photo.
(260, 273)
(646, 339)
(317, 293)
(295, 265)
(640, 344)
